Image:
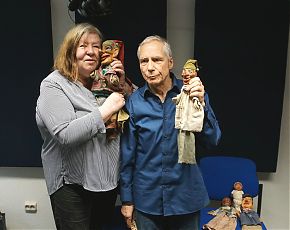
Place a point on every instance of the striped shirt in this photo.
(74, 150)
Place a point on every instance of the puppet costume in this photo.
(221, 222)
(225, 218)
(249, 219)
(237, 198)
(188, 117)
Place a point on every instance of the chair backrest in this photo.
(221, 172)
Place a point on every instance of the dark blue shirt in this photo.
(151, 178)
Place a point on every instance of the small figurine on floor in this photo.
(189, 115)
(107, 81)
(225, 217)
(249, 219)
(237, 195)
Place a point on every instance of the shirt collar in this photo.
(176, 86)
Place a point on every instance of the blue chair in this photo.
(220, 173)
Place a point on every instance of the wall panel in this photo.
(26, 58)
(242, 51)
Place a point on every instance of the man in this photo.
(164, 193)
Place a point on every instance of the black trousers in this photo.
(75, 208)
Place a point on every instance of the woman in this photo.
(80, 166)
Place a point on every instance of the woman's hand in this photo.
(118, 67)
(111, 105)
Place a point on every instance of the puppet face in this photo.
(226, 201)
(247, 202)
(238, 186)
(188, 74)
(110, 50)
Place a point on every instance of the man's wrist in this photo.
(127, 203)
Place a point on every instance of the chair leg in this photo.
(260, 199)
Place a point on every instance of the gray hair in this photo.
(166, 46)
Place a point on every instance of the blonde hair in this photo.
(65, 61)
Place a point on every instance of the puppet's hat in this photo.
(191, 64)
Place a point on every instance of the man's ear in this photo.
(170, 63)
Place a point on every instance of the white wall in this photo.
(276, 193)
(20, 184)
(180, 33)
(62, 20)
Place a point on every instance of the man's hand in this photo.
(127, 212)
(196, 89)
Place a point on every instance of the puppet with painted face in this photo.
(107, 81)
(225, 217)
(189, 115)
(249, 219)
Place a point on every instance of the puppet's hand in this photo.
(196, 104)
(212, 212)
